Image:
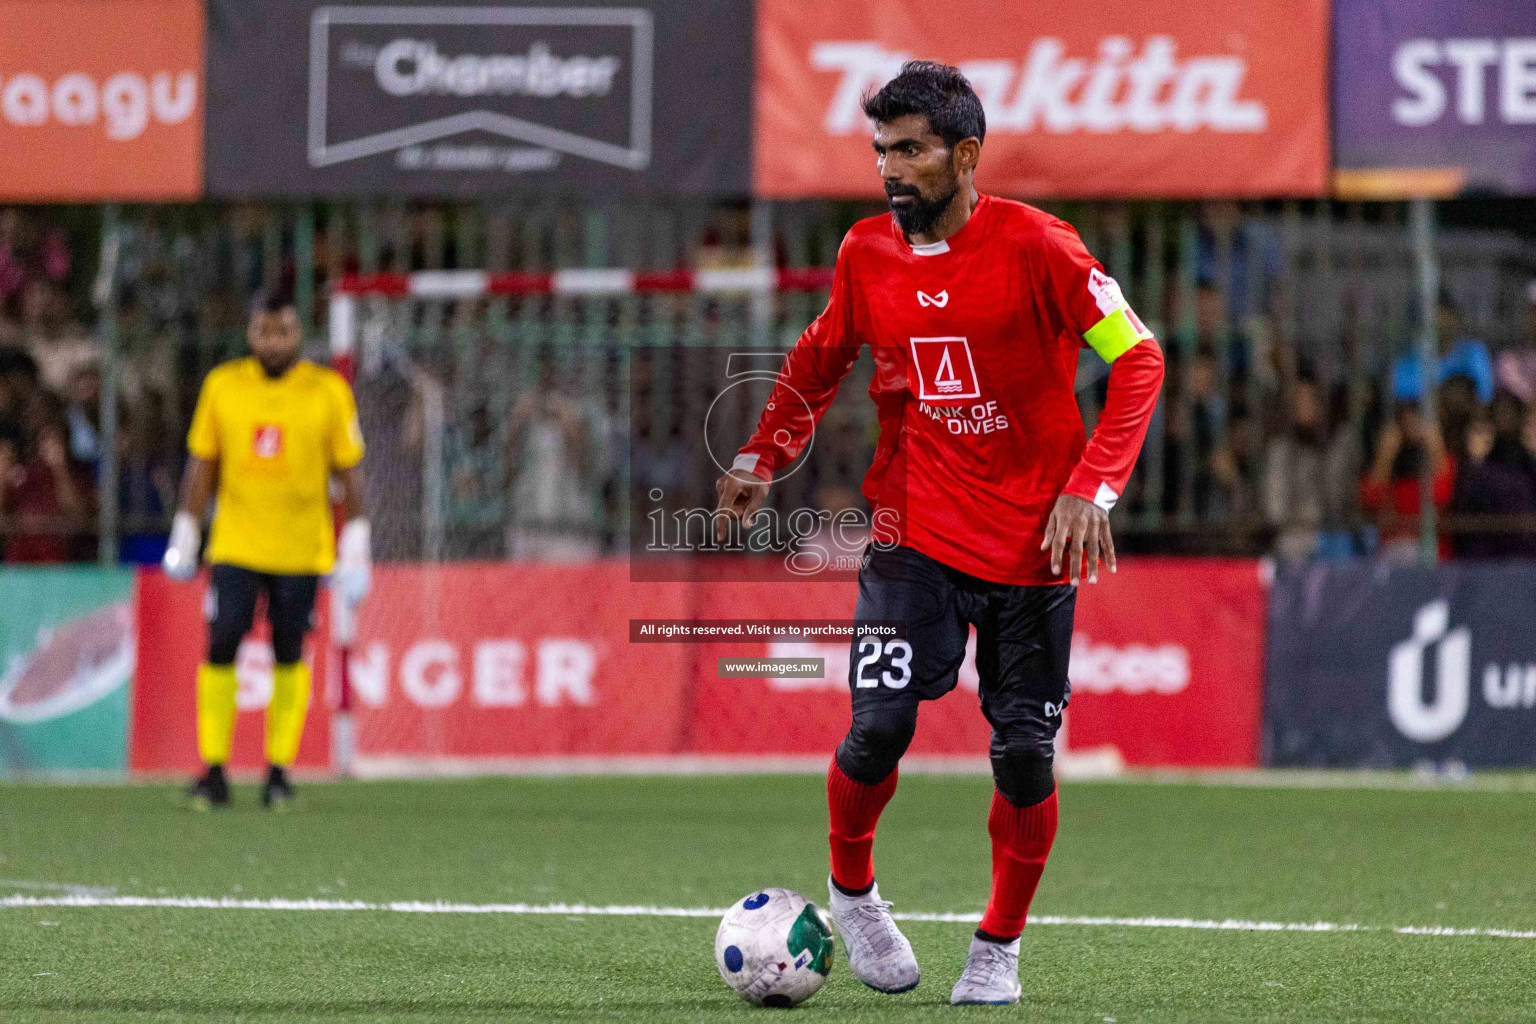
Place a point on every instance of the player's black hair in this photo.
(938, 92)
(272, 299)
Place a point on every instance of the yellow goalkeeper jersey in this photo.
(277, 443)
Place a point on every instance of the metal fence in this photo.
(1250, 300)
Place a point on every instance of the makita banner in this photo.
(417, 98)
(1391, 666)
(1164, 98)
(1435, 96)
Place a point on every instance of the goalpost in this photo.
(409, 405)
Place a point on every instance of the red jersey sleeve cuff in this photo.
(1085, 485)
(757, 465)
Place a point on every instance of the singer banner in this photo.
(499, 666)
(172, 640)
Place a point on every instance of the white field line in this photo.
(587, 910)
(73, 890)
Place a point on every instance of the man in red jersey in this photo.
(989, 505)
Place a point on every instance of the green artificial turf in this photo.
(1369, 857)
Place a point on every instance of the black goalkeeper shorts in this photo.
(1023, 639)
(231, 609)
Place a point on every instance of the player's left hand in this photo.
(354, 569)
(1086, 525)
(180, 561)
(741, 495)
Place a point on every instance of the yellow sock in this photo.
(285, 715)
(215, 712)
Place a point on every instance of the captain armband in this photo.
(1116, 334)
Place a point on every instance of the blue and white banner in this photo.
(1395, 666)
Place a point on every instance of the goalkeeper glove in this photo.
(180, 561)
(354, 571)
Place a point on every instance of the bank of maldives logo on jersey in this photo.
(267, 440)
(944, 369)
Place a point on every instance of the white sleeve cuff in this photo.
(1106, 497)
(745, 462)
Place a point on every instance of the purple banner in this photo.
(1435, 96)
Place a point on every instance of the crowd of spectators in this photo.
(51, 455)
(1303, 466)
(1477, 463)
(47, 495)
(1257, 447)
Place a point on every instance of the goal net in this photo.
(495, 408)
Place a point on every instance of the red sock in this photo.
(1021, 840)
(854, 809)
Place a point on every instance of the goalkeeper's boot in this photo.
(878, 954)
(991, 974)
(210, 790)
(276, 793)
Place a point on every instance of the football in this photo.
(774, 948)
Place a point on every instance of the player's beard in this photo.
(275, 367)
(923, 213)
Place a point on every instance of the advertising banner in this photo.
(1395, 666)
(101, 101)
(66, 660)
(464, 664)
(1166, 98)
(480, 666)
(417, 98)
(172, 642)
(1434, 97)
(1166, 670)
(470, 662)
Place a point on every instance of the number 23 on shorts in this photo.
(870, 650)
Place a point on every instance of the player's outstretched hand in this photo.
(741, 494)
(1086, 526)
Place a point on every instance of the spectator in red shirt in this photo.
(44, 501)
(1390, 490)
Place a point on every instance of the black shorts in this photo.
(1023, 640)
(231, 610)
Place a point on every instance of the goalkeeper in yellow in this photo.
(269, 433)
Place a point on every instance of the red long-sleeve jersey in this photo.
(975, 342)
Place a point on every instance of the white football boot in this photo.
(878, 954)
(991, 974)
